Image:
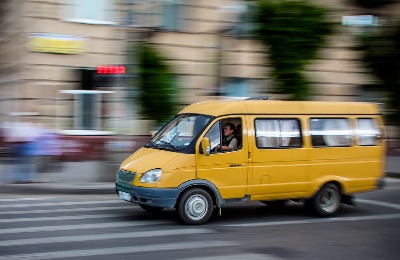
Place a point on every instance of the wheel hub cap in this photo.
(329, 201)
(196, 207)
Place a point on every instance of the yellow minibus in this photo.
(215, 152)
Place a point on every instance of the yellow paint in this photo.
(268, 174)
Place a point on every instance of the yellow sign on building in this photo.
(56, 43)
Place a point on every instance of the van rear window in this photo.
(368, 132)
(330, 132)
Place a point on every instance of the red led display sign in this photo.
(111, 69)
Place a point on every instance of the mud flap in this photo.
(219, 209)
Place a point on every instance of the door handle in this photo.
(236, 165)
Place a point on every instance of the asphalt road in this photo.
(104, 227)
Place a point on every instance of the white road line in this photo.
(58, 218)
(96, 237)
(120, 250)
(315, 221)
(80, 227)
(19, 199)
(41, 211)
(379, 203)
(237, 257)
(46, 204)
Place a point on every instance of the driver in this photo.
(229, 141)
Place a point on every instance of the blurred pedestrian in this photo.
(46, 150)
(19, 136)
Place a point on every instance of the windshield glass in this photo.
(180, 132)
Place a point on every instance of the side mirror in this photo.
(205, 146)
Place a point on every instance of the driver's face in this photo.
(227, 131)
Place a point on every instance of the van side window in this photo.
(368, 132)
(330, 132)
(278, 133)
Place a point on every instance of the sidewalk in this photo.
(88, 177)
(58, 188)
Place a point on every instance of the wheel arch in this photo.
(336, 182)
(202, 184)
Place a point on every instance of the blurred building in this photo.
(67, 59)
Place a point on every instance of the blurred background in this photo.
(84, 82)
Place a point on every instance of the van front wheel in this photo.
(195, 207)
(327, 201)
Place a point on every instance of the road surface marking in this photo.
(80, 226)
(59, 218)
(314, 221)
(96, 237)
(237, 257)
(120, 250)
(46, 204)
(19, 199)
(41, 211)
(379, 203)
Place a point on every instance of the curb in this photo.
(393, 175)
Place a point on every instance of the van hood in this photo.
(148, 158)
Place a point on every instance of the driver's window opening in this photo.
(226, 135)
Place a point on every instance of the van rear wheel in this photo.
(327, 200)
(195, 207)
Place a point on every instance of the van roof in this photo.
(275, 107)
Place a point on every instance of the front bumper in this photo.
(156, 197)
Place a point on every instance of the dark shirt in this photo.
(230, 141)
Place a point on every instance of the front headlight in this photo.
(151, 176)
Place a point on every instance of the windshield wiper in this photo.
(150, 144)
(167, 146)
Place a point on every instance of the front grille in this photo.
(125, 176)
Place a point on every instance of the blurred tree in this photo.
(156, 84)
(381, 54)
(293, 30)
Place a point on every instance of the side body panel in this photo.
(277, 173)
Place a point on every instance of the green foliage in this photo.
(293, 31)
(382, 57)
(156, 84)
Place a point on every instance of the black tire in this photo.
(151, 209)
(326, 202)
(195, 207)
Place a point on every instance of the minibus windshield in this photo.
(180, 132)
